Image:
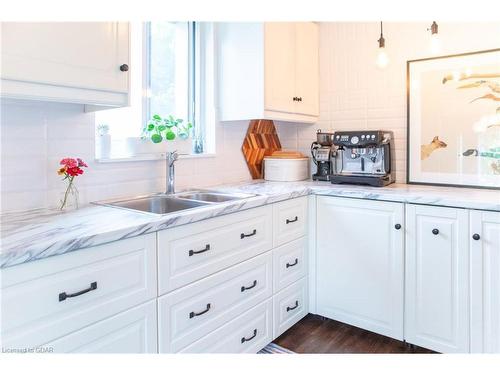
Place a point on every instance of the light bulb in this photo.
(382, 58)
(435, 43)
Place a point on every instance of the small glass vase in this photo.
(69, 199)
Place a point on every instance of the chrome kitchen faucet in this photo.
(171, 158)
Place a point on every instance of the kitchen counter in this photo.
(38, 234)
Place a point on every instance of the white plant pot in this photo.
(103, 146)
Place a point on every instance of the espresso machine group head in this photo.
(364, 157)
(322, 152)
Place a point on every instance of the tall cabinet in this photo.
(437, 282)
(485, 281)
(268, 70)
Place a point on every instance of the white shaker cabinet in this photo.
(268, 71)
(75, 62)
(484, 238)
(437, 282)
(360, 263)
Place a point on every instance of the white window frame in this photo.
(201, 93)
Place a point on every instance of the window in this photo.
(171, 70)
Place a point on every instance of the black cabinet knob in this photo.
(299, 98)
(476, 236)
(295, 99)
(124, 68)
(435, 231)
(397, 226)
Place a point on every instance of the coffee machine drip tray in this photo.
(358, 179)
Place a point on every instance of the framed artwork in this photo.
(453, 109)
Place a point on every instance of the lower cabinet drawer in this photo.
(50, 298)
(133, 331)
(290, 305)
(189, 313)
(289, 263)
(248, 333)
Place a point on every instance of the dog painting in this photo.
(427, 150)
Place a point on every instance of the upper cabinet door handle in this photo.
(292, 264)
(476, 236)
(124, 68)
(243, 235)
(288, 221)
(244, 339)
(435, 231)
(243, 288)
(192, 314)
(397, 226)
(192, 252)
(64, 295)
(299, 98)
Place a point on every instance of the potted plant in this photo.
(168, 129)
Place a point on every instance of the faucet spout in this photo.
(171, 158)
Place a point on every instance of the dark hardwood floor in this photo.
(314, 334)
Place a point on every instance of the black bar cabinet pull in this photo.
(192, 252)
(435, 231)
(243, 235)
(243, 288)
(244, 339)
(288, 221)
(64, 295)
(288, 308)
(292, 264)
(192, 314)
(476, 236)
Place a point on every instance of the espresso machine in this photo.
(322, 152)
(363, 157)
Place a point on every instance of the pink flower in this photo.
(69, 162)
(81, 163)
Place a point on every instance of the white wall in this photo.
(36, 135)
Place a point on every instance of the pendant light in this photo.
(382, 58)
(435, 42)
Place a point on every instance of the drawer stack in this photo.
(232, 284)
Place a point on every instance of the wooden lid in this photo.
(286, 155)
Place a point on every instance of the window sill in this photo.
(152, 157)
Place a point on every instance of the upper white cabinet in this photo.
(484, 238)
(76, 62)
(437, 281)
(268, 70)
(360, 263)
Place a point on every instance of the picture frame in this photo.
(453, 120)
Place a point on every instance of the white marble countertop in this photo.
(38, 234)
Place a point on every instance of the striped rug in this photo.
(275, 349)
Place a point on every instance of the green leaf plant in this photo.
(168, 128)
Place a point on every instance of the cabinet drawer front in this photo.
(290, 305)
(248, 333)
(289, 263)
(133, 331)
(189, 313)
(70, 291)
(290, 220)
(189, 253)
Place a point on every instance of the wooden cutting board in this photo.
(261, 140)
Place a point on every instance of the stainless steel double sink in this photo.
(162, 204)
